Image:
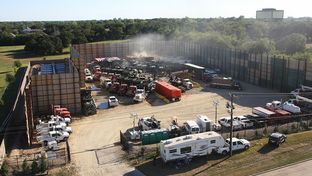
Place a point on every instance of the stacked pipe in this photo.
(88, 104)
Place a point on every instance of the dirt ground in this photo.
(93, 142)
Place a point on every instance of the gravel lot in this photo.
(93, 142)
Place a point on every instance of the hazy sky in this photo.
(29, 10)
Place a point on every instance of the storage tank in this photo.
(167, 90)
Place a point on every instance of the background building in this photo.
(270, 14)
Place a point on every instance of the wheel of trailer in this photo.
(173, 99)
(224, 152)
(246, 147)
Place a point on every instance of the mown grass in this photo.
(260, 157)
(8, 54)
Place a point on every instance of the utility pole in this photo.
(231, 132)
(216, 104)
(134, 116)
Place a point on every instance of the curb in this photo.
(281, 167)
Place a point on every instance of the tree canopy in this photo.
(239, 33)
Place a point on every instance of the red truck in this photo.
(167, 90)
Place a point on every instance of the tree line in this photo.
(289, 36)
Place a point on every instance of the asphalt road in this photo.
(300, 169)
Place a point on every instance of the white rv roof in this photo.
(190, 138)
(191, 123)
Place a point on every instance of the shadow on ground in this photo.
(21, 54)
(267, 148)
(158, 166)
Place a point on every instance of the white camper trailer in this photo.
(191, 145)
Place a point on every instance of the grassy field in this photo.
(8, 54)
(258, 158)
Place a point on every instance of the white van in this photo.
(191, 127)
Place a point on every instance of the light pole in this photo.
(231, 132)
(216, 104)
(134, 116)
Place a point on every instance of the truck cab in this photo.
(131, 90)
(187, 84)
(139, 95)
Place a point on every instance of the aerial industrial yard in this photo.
(116, 108)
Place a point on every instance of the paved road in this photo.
(300, 169)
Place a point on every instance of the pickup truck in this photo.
(53, 135)
(187, 84)
(55, 128)
(60, 119)
(139, 95)
(50, 124)
(226, 122)
(237, 144)
(245, 121)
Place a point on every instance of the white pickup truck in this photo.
(139, 95)
(226, 122)
(244, 121)
(60, 119)
(53, 135)
(55, 128)
(187, 84)
(237, 144)
(49, 124)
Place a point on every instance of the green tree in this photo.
(4, 169)
(17, 64)
(25, 168)
(34, 167)
(43, 163)
(260, 46)
(292, 43)
(9, 78)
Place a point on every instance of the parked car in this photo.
(245, 121)
(113, 101)
(277, 139)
